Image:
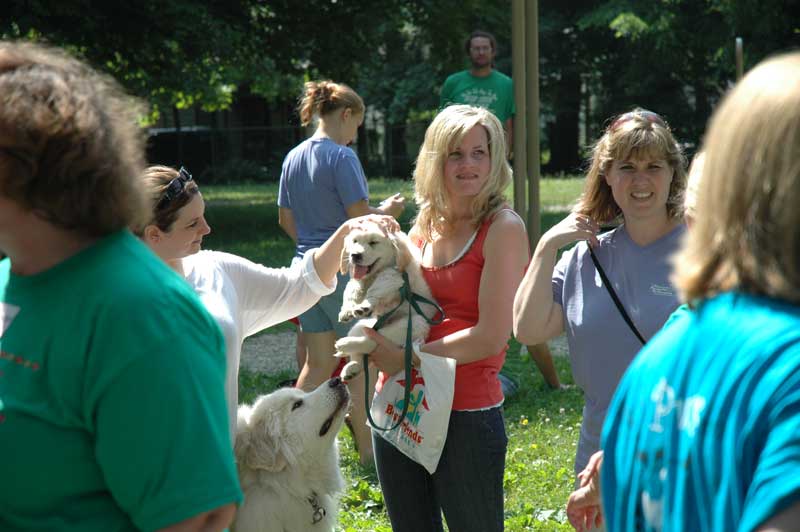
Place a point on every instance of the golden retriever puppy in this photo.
(376, 261)
(288, 461)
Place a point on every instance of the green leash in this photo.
(406, 295)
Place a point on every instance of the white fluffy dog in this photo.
(376, 261)
(288, 461)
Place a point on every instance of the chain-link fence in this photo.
(225, 155)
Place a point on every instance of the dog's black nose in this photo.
(334, 382)
(355, 257)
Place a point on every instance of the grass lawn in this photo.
(542, 425)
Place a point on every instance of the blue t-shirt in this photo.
(704, 431)
(318, 180)
(601, 345)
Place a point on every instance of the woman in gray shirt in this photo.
(637, 177)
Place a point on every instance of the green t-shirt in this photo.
(112, 406)
(494, 92)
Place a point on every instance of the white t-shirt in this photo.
(245, 298)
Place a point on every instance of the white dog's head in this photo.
(368, 250)
(289, 426)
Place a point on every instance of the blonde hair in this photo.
(746, 234)
(156, 179)
(324, 97)
(77, 149)
(445, 133)
(692, 183)
(633, 135)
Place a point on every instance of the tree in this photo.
(178, 53)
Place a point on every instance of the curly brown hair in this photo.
(76, 149)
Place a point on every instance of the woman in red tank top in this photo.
(474, 253)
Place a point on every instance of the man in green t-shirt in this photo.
(481, 85)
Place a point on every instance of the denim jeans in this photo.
(467, 485)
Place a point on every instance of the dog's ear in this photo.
(241, 446)
(403, 251)
(257, 449)
(344, 261)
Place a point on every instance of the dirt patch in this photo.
(270, 353)
(274, 353)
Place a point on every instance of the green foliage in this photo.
(173, 54)
(628, 25)
(675, 56)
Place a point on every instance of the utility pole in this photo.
(525, 60)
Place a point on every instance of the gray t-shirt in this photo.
(601, 345)
(319, 179)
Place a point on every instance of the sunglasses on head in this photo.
(174, 188)
(650, 116)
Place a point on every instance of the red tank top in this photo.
(455, 287)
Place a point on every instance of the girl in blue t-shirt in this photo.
(322, 185)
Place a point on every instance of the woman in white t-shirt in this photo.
(244, 297)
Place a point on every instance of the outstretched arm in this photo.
(328, 257)
(391, 206)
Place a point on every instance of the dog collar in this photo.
(319, 511)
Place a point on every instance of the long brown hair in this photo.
(631, 135)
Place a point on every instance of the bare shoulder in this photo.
(506, 236)
(415, 235)
(508, 218)
(506, 224)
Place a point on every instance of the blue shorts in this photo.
(324, 316)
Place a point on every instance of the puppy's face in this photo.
(290, 426)
(369, 250)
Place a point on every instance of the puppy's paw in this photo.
(351, 370)
(345, 316)
(354, 345)
(364, 310)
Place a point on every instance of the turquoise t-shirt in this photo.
(704, 431)
(494, 92)
(112, 406)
